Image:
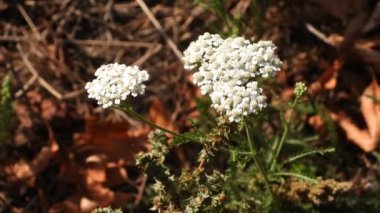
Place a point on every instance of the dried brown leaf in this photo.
(23, 115)
(19, 171)
(159, 115)
(99, 157)
(371, 109)
(316, 122)
(48, 109)
(115, 140)
(366, 139)
(328, 80)
(24, 171)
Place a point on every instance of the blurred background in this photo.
(62, 152)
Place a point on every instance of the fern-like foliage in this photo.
(191, 191)
(6, 117)
(107, 210)
(300, 190)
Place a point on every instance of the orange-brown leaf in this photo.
(371, 109)
(159, 115)
(328, 80)
(366, 139)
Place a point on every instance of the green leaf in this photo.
(273, 149)
(203, 106)
(321, 151)
(185, 138)
(303, 141)
(296, 175)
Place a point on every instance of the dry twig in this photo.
(318, 33)
(113, 43)
(30, 22)
(35, 74)
(159, 28)
(149, 53)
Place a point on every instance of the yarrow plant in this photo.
(115, 82)
(229, 69)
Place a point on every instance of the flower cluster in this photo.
(228, 70)
(115, 82)
(300, 89)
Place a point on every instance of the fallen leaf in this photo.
(366, 139)
(19, 171)
(159, 115)
(48, 109)
(20, 138)
(316, 122)
(328, 80)
(34, 97)
(117, 140)
(370, 108)
(94, 175)
(97, 192)
(23, 115)
(358, 136)
(97, 163)
(23, 171)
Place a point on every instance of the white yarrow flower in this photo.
(228, 70)
(199, 51)
(115, 82)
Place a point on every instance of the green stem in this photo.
(237, 152)
(256, 161)
(283, 137)
(140, 117)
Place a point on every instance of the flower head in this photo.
(228, 70)
(115, 82)
(300, 89)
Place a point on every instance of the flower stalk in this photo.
(257, 161)
(131, 112)
(299, 90)
(283, 136)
